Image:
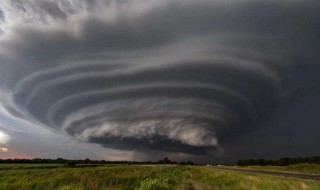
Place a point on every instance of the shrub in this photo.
(71, 163)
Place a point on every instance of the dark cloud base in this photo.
(196, 74)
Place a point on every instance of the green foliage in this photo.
(71, 163)
(29, 166)
(280, 162)
(165, 161)
(87, 161)
(124, 177)
(154, 184)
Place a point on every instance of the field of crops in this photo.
(144, 178)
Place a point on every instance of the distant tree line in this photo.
(280, 162)
(88, 162)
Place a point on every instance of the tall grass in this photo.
(144, 178)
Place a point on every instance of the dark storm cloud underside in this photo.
(257, 51)
(180, 81)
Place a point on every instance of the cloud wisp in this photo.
(177, 76)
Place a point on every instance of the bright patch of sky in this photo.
(1, 20)
(4, 138)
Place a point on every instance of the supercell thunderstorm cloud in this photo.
(169, 75)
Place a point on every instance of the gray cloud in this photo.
(177, 76)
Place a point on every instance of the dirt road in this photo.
(274, 173)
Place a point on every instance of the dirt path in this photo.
(282, 174)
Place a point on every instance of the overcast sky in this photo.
(201, 80)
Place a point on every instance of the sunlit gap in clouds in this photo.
(4, 149)
(4, 138)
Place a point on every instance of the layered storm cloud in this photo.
(170, 75)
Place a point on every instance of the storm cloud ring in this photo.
(125, 81)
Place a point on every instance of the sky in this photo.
(200, 80)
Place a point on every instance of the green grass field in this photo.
(29, 166)
(297, 168)
(145, 178)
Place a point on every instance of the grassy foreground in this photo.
(143, 178)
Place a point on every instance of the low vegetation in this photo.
(145, 178)
(280, 162)
(88, 161)
(29, 166)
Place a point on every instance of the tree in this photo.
(87, 161)
(164, 161)
(261, 162)
(71, 163)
